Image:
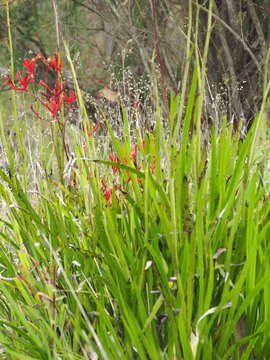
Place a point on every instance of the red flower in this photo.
(138, 167)
(94, 129)
(53, 97)
(71, 98)
(113, 157)
(134, 153)
(104, 185)
(57, 88)
(30, 66)
(38, 57)
(136, 105)
(55, 63)
(54, 92)
(54, 105)
(22, 81)
(107, 193)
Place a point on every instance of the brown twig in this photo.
(237, 37)
(87, 7)
(37, 42)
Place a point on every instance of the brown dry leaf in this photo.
(107, 94)
(241, 331)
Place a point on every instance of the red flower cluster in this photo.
(133, 156)
(107, 192)
(113, 157)
(52, 98)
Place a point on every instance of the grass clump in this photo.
(150, 248)
(138, 245)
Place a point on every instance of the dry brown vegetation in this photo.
(106, 37)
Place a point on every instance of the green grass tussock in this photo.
(131, 243)
(150, 250)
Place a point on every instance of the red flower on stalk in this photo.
(57, 89)
(22, 81)
(54, 92)
(71, 98)
(94, 129)
(106, 192)
(134, 159)
(30, 66)
(54, 105)
(54, 96)
(113, 157)
(55, 62)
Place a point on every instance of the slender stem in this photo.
(158, 50)
(61, 124)
(56, 25)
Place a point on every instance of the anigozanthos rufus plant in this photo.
(50, 95)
